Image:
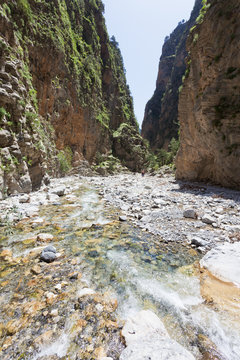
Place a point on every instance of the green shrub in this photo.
(3, 113)
(165, 157)
(25, 7)
(65, 159)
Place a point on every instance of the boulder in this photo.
(220, 278)
(26, 183)
(156, 348)
(143, 323)
(224, 262)
(147, 338)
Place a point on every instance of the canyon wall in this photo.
(160, 122)
(209, 104)
(63, 91)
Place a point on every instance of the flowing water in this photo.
(140, 270)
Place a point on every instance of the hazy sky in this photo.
(140, 27)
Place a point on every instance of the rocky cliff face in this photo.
(63, 90)
(209, 106)
(160, 122)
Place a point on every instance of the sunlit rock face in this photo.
(209, 110)
(160, 122)
(146, 338)
(220, 277)
(62, 87)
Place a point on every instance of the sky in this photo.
(140, 27)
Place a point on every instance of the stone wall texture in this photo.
(209, 105)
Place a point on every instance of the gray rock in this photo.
(198, 241)
(190, 213)
(207, 219)
(60, 191)
(25, 183)
(24, 199)
(50, 248)
(122, 218)
(46, 179)
(6, 138)
(160, 202)
(48, 256)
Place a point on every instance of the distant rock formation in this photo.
(63, 90)
(209, 104)
(160, 122)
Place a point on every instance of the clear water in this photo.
(139, 270)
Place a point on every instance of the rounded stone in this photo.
(50, 248)
(48, 256)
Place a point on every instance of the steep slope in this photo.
(63, 88)
(209, 105)
(160, 122)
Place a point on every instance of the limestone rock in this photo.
(196, 240)
(190, 213)
(207, 219)
(24, 199)
(60, 191)
(147, 338)
(55, 118)
(209, 110)
(160, 123)
(25, 183)
(122, 218)
(6, 138)
(224, 262)
(156, 349)
(145, 322)
(220, 274)
(36, 270)
(85, 292)
(44, 237)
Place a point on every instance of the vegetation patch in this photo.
(164, 157)
(4, 113)
(204, 9)
(65, 160)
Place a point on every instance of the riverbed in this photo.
(123, 244)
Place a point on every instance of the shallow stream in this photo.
(138, 269)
